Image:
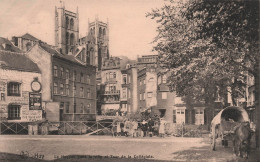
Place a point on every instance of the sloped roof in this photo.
(17, 61)
(29, 36)
(124, 61)
(51, 50)
(12, 47)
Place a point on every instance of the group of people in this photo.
(144, 128)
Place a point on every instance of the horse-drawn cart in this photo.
(225, 122)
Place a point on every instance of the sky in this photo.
(130, 31)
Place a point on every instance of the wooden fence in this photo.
(61, 128)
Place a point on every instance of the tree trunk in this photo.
(257, 101)
(257, 86)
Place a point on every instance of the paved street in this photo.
(111, 149)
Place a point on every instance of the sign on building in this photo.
(35, 101)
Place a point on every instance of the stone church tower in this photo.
(66, 29)
(100, 32)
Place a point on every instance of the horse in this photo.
(241, 140)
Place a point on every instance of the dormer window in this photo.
(28, 46)
(7, 47)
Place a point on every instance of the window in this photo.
(164, 79)
(61, 89)
(81, 93)
(67, 107)
(74, 91)
(61, 72)
(67, 39)
(144, 97)
(67, 90)
(74, 75)
(149, 94)
(75, 107)
(28, 46)
(144, 81)
(199, 111)
(81, 108)
(112, 87)
(2, 97)
(67, 22)
(14, 89)
(124, 93)
(67, 74)
(72, 40)
(14, 112)
(164, 95)
(55, 88)
(124, 79)
(88, 92)
(114, 75)
(61, 105)
(110, 75)
(82, 77)
(140, 83)
(88, 108)
(104, 31)
(55, 70)
(71, 23)
(100, 32)
(140, 96)
(88, 79)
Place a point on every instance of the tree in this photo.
(208, 44)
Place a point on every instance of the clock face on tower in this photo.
(36, 86)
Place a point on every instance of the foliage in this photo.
(207, 45)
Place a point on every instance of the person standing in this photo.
(144, 127)
(162, 127)
(118, 129)
(135, 126)
(150, 127)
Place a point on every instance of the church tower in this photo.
(66, 29)
(100, 32)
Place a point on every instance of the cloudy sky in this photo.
(131, 32)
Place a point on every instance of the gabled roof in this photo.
(7, 42)
(29, 36)
(17, 61)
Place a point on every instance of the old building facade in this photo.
(68, 81)
(20, 86)
(118, 86)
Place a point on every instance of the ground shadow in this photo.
(205, 153)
